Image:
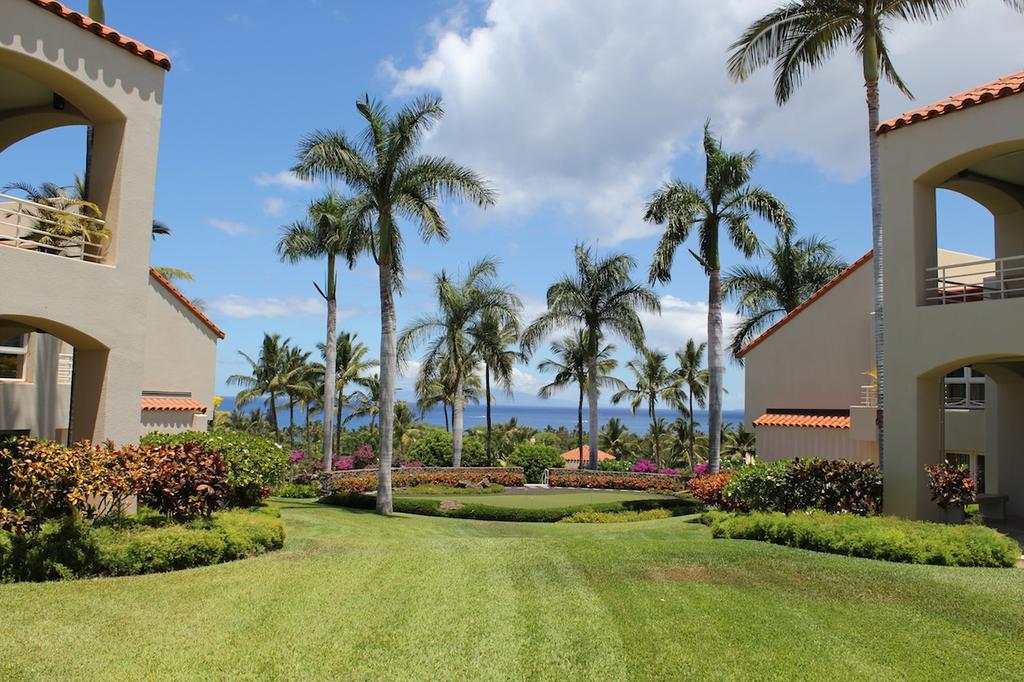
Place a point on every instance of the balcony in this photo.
(975, 280)
(61, 227)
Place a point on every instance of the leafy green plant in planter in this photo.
(534, 459)
(952, 488)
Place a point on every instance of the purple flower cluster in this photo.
(700, 469)
(645, 466)
(669, 472)
(296, 456)
(344, 463)
(363, 456)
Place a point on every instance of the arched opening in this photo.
(52, 380)
(977, 227)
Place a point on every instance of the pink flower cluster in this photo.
(645, 466)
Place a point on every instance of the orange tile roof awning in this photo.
(105, 32)
(819, 421)
(574, 455)
(997, 89)
(156, 404)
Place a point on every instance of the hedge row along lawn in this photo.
(537, 508)
(356, 596)
(874, 537)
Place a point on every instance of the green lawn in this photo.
(548, 499)
(356, 596)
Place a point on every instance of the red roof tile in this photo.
(107, 33)
(173, 404)
(803, 306)
(187, 303)
(803, 420)
(1003, 87)
(574, 455)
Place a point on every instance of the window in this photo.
(965, 389)
(12, 357)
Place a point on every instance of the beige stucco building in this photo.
(954, 323)
(94, 344)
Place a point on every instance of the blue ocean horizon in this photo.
(534, 416)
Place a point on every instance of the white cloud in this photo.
(682, 320)
(585, 110)
(284, 179)
(229, 227)
(273, 206)
(243, 307)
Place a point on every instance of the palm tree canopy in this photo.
(727, 199)
(350, 358)
(599, 296)
(692, 372)
(389, 178)
(795, 271)
(653, 382)
(800, 36)
(268, 374)
(494, 335)
(569, 365)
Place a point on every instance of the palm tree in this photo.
(350, 364)
(406, 427)
(493, 335)
(296, 381)
(599, 296)
(267, 377)
(654, 381)
(430, 391)
(326, 232)
(796, 270)
(694, 377)
(728, 201)
(614, 437)
(367, 401)
(738, 443)
(63, 214)
(571, 365)
(800, 36)
(391, 181)
(452, 347)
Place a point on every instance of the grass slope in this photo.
(356, 596)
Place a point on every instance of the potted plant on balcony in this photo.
(952, 488)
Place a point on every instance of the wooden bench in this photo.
(988, 504)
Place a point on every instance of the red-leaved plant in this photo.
(950, 485)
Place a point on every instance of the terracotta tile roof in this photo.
(107, 33)
(172, 404)
(187, 303)
(803, 420)
(574, 455)
(811, 299)
(1003, 87)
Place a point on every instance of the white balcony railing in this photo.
(975, 280)
(51, 229)
(65, 368)
(869, 395)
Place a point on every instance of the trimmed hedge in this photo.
(617, 517)
(614, 480)
(365, 480)
(788, 485)
(874, 537)
(71, 548)
(485, 512)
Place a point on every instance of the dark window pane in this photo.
(977, 393)
(9, 367)
(956, 373)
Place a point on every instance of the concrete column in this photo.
(1005, 442)
(106, 396)
(913, 439)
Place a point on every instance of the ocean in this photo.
(534, 416)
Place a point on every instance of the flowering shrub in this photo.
(839, 486)
(344, 463)
(669, 472)
(645, 466)
(363, 456)
(701, 469)
(708, 488)
(186, 481)
(631, 480)
(296, 456)
(365, 480)
(950, 486)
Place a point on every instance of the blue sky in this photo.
(576, 110)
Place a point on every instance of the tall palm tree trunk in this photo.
(579, 427)
(388, 369)
(871, 85)
(307, 438)
(693, 429)
(487, 390)
(291, 420)
(592, 400)
(330, 363)
(337, 425)
(444, 408)
(273, 416)
(654, 433)
(716, 369)
(457, 401)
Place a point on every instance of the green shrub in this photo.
(6, 555)
(486, 512)
(616, 517)
(788, 485)
(548, 438)
(254, 463)
(433, 489)
(534, 459)
(297, 490)
(873, 537)
(760, 487)
(614, 465)
(433, 449)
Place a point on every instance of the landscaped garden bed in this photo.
(67, 512)
(614, 480)
(365, 480)
(871, 537)
(540, 507)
